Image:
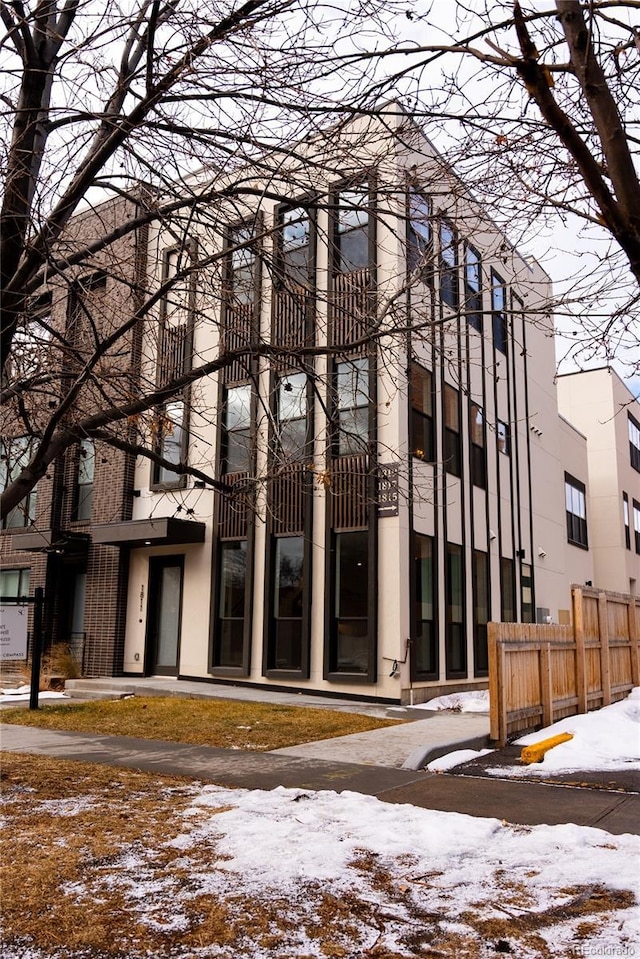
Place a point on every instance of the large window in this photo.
(636, 525)
(480, 572)
(352, 407)
(292, 415)
(84, 480)
(634, 442)
(507, 590)
(288, 587)
(295, 247)
(420, 237)
(15, 454)
(242, 266)
(352, 229)
(424, 647)
(477, 437)
(576, 507)
(421, 413)
(473, 287)
(351, 603)
(14, 582)
(236, 440)
(452, 445)
(456, 647)
(627, 522)
(499, 313)
(231, 615)
(448, 265)
(172, 443)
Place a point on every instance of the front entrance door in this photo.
(164, 616)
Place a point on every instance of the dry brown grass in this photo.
(204, 722)
(85, 847)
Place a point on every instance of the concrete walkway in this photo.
(517, 802)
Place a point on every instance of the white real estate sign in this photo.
(13, 632)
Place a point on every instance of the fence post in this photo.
(603, 628)
(581, 659)
(546, 685)
(497, 720)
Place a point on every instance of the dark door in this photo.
(164, 615)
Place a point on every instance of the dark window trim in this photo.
(636, 528)
(499, 317)
(452, 453)
(245, 669)
(150, 650)
(78, 497)
(422, 675)
(478, 450)
(480, 630)
(310, 204)
(418, 414)
(577, 527)
(449, 272)
(449, 624)
(419, 261)
(626, 520)
(508, 590)
(473, 298)
(273, 672)
(634, 451)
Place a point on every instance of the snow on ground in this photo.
(455, 758)
(21, 694)
(474, 701)
(464, 873)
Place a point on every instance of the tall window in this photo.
(420, 237)
(31, 341)
(352, 229)
(507, 590)
(425, 651)
(288, 586)
(292, 415)
(242, 273)
(456, 647)
(236, 439)
(634, 442)
(477, 437)
(295, 246)
(174, 359)
(499, 313)
(636, 525)
(84, 480)
(352, 407)
(15, 454)
(448, 265)
(526, 592)
(503, 437)
(480, 573)
(473, 287)
(627, 524)
(576, 507)
(231, 606)
(351, 603)
(421, 413)
(452, 451)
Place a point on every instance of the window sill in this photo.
(573, 542)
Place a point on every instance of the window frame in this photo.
(452, 434)
(361, 187)
(577, 526)
(449, 267)
(10, 467)
(634, 441)
(335, 610)
(419, 239)
(347, 442)
(503, 437)
(245, 430)
(418, 602)
(455, 629)
(481, 590)
(83, 491)
(508, 607)
(626, 520)
(478, 445)
(421, 422)
(499, 319)
(636, 524)
(301, 451)
(473, 297)
(24, 582)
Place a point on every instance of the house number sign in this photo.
(388, 489)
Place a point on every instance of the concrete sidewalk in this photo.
(517, 802)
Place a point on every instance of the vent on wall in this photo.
(543, 615)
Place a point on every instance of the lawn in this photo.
(229, 724)
(103, 863)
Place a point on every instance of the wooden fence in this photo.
(539, 674)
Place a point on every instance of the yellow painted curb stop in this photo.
(535, 753)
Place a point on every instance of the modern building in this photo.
(379, 464)
(607, 495)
